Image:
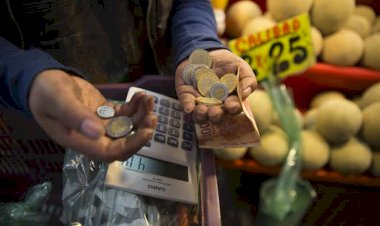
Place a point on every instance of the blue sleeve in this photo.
(193, 27)
(18, 68)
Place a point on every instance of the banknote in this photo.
(234, 131)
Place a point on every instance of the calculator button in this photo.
(186, 145)
(187, 136)
(176, 114)
(147, 144)
(176, 106)
(165, 103)
(174, 123)
(173, 142)
(161, 128)
(174, 132)
(155, 99)
(163, 119)
(159, 138)
(188, 127)
(163, 110)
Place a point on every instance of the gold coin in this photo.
(230, 80)
(119, 126)
(208, 101)
(206, 79)
(200, 56)
(186, 73)
(194, 71)
(219, 91)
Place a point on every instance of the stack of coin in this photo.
(117, 127)
(198, 73)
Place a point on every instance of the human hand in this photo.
(224, 62)
(64, 106)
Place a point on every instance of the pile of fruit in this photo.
(344, 33)
(338, 133)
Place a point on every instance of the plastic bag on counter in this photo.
(27, 212)
(88, 202)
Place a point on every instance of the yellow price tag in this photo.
(289, 42)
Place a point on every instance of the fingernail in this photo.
(247, 91)
(91, 129)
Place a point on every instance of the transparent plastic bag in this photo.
(285, 199)
(86, 200)
(27, 212)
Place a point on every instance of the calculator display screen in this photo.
(154, 166)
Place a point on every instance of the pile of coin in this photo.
(117, 127)
(198, 73)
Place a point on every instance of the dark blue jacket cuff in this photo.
(18, 69)
(194, 27)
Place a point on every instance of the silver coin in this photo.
(200, 56)
(119, 126)
(194, 71)
(105, 111)
(186, 74)
(219, 91)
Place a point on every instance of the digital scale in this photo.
(166, 167)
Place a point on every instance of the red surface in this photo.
(351, 81)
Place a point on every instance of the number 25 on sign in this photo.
(288, 43)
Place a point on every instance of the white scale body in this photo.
(166, 167)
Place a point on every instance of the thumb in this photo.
(74, 115)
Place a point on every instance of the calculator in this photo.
(166, 167)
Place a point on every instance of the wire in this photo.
(15, 22)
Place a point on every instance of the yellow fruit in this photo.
(285, 9)
(371, 55)
(238, 14)
(230, 153)
(269, 16)
(370, 95)
(358, 24)
(317, 40)
(352, 157)
(315, 150)
(257, 24)
(273, 147)
(325, 96)
(367, 12)
(371, 125)
(309, 118)
(376, 25)
(375, 165)
(337, 120)
(299, 117)
(343, 48)
(329, 15)
(262, 108)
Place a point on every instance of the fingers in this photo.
(247, 81)
(50, 99)
(187, 101)
(130, 108)
(232, 105)
(104, 148)
(121, 149)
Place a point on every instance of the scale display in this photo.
(158, 167)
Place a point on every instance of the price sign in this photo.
(287, 43)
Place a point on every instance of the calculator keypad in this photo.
(170, 128)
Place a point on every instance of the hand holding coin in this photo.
(223, 64)
(65, 107)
